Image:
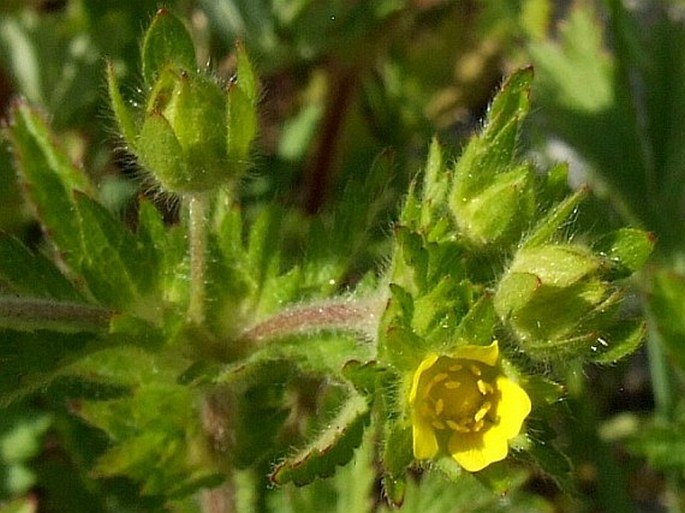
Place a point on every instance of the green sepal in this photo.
(159, 151)
(547, 230)
(627, 249)
(492, 199)
(557, 265)
(503, 478)
(478, 325)
(241, 123)
(334, 446)
(124, 115)
(246, 76)
(193, 106)
(397, 448)
(621, 340)
(501, 212)
(514, 291)
(398, 344)
(367, 377)
(424, 209)
(166, 42)
(513, 101)
(394, 489)
(410, 264)
(49, 178)
(31, 274)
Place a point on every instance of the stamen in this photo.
(480, 414)
(451, 385)
(437, 424)
(475, 370)
(484, 387)
(456, 367)
(439, 377)
(478, 425)
(439, 406)
(457, 427)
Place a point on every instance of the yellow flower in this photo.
(464, 403)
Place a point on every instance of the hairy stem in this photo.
(40, 313)
(197, 207)
(358, 316)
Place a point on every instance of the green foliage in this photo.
(227, 350)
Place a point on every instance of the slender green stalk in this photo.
(29, 313)
(197, 207)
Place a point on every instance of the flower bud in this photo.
(183, 137)
(556, 300)
(193, 134)
(498, 213)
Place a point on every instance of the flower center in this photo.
(458, 395)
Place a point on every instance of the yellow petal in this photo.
(426, 364)
(484, 354)
(512, 408)
(475, 451)
(424, 443)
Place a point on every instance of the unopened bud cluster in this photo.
(190, 132)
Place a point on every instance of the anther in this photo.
(457, 427)
(475, 370)
(480, 414)
(451, 385)
(439, 406)
(484, 387)
(439, 377)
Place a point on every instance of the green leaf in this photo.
(343, 241)
(334, 446)
(31, 274)
(32, 360)
(22, 435)
(118, 268)
(166, 42)
(587, 96)
(263, 255)
(667, 309)
(49, 178)
(241, 110)
(663, 444)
